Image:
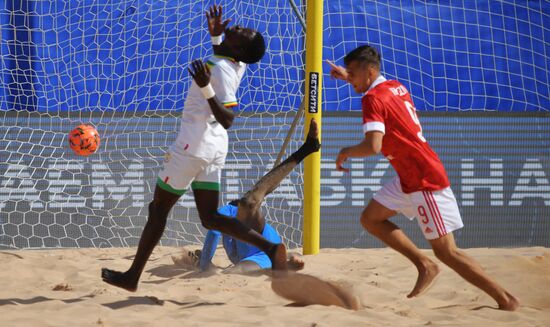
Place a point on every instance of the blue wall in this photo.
(133, 54)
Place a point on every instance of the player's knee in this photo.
(248, 203)
(209, 222)
(367, 222)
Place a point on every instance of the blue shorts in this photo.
(261, 259)
(236, 249)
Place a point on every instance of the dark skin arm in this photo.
(216, 25)
(201, 75)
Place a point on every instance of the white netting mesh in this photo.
(122, 66)
(452, 55)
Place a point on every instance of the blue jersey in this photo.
(236, 250)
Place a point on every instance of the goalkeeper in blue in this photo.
(245, 258)
(247, 211)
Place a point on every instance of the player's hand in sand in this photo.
(188, 259)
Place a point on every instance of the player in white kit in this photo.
(198, 155)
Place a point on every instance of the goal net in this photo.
(478, 72)
(122, 66)
(452, 55)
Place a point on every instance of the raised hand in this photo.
(214, 18)
(337, 72)
(200, 73)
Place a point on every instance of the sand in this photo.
(64, 288)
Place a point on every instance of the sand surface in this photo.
(64, 288)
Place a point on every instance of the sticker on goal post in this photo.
(313, 92)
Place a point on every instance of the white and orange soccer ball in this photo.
(84, 140)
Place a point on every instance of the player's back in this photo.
(418, 166)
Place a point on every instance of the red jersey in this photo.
(388, 108)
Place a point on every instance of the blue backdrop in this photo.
(132, 55)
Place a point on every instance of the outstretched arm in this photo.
(209, 248)
(337, 72)
(201, 75)
(216, 26)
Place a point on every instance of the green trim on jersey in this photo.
(230, 104)
(226, 57)
(169, 188)
(209, 186)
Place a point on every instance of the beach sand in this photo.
(63, 288)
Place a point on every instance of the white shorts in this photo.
(181, 171)
(436, 211)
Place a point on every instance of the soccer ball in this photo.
(84, 140)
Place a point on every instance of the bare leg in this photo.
(250, 223)
(249, 206)
(207, 202)
(250, 203)
(159, 209)
(446, 250)
(375, 220)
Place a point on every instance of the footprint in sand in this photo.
(304, 290)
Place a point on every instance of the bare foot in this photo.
(426, 276)
(313, 136)
(118, 279)
(295, 262)
(278, 257)
(511, 303)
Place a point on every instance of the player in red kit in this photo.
(421, 189)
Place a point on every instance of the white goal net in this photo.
(122, 66)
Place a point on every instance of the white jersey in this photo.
(200, 134)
